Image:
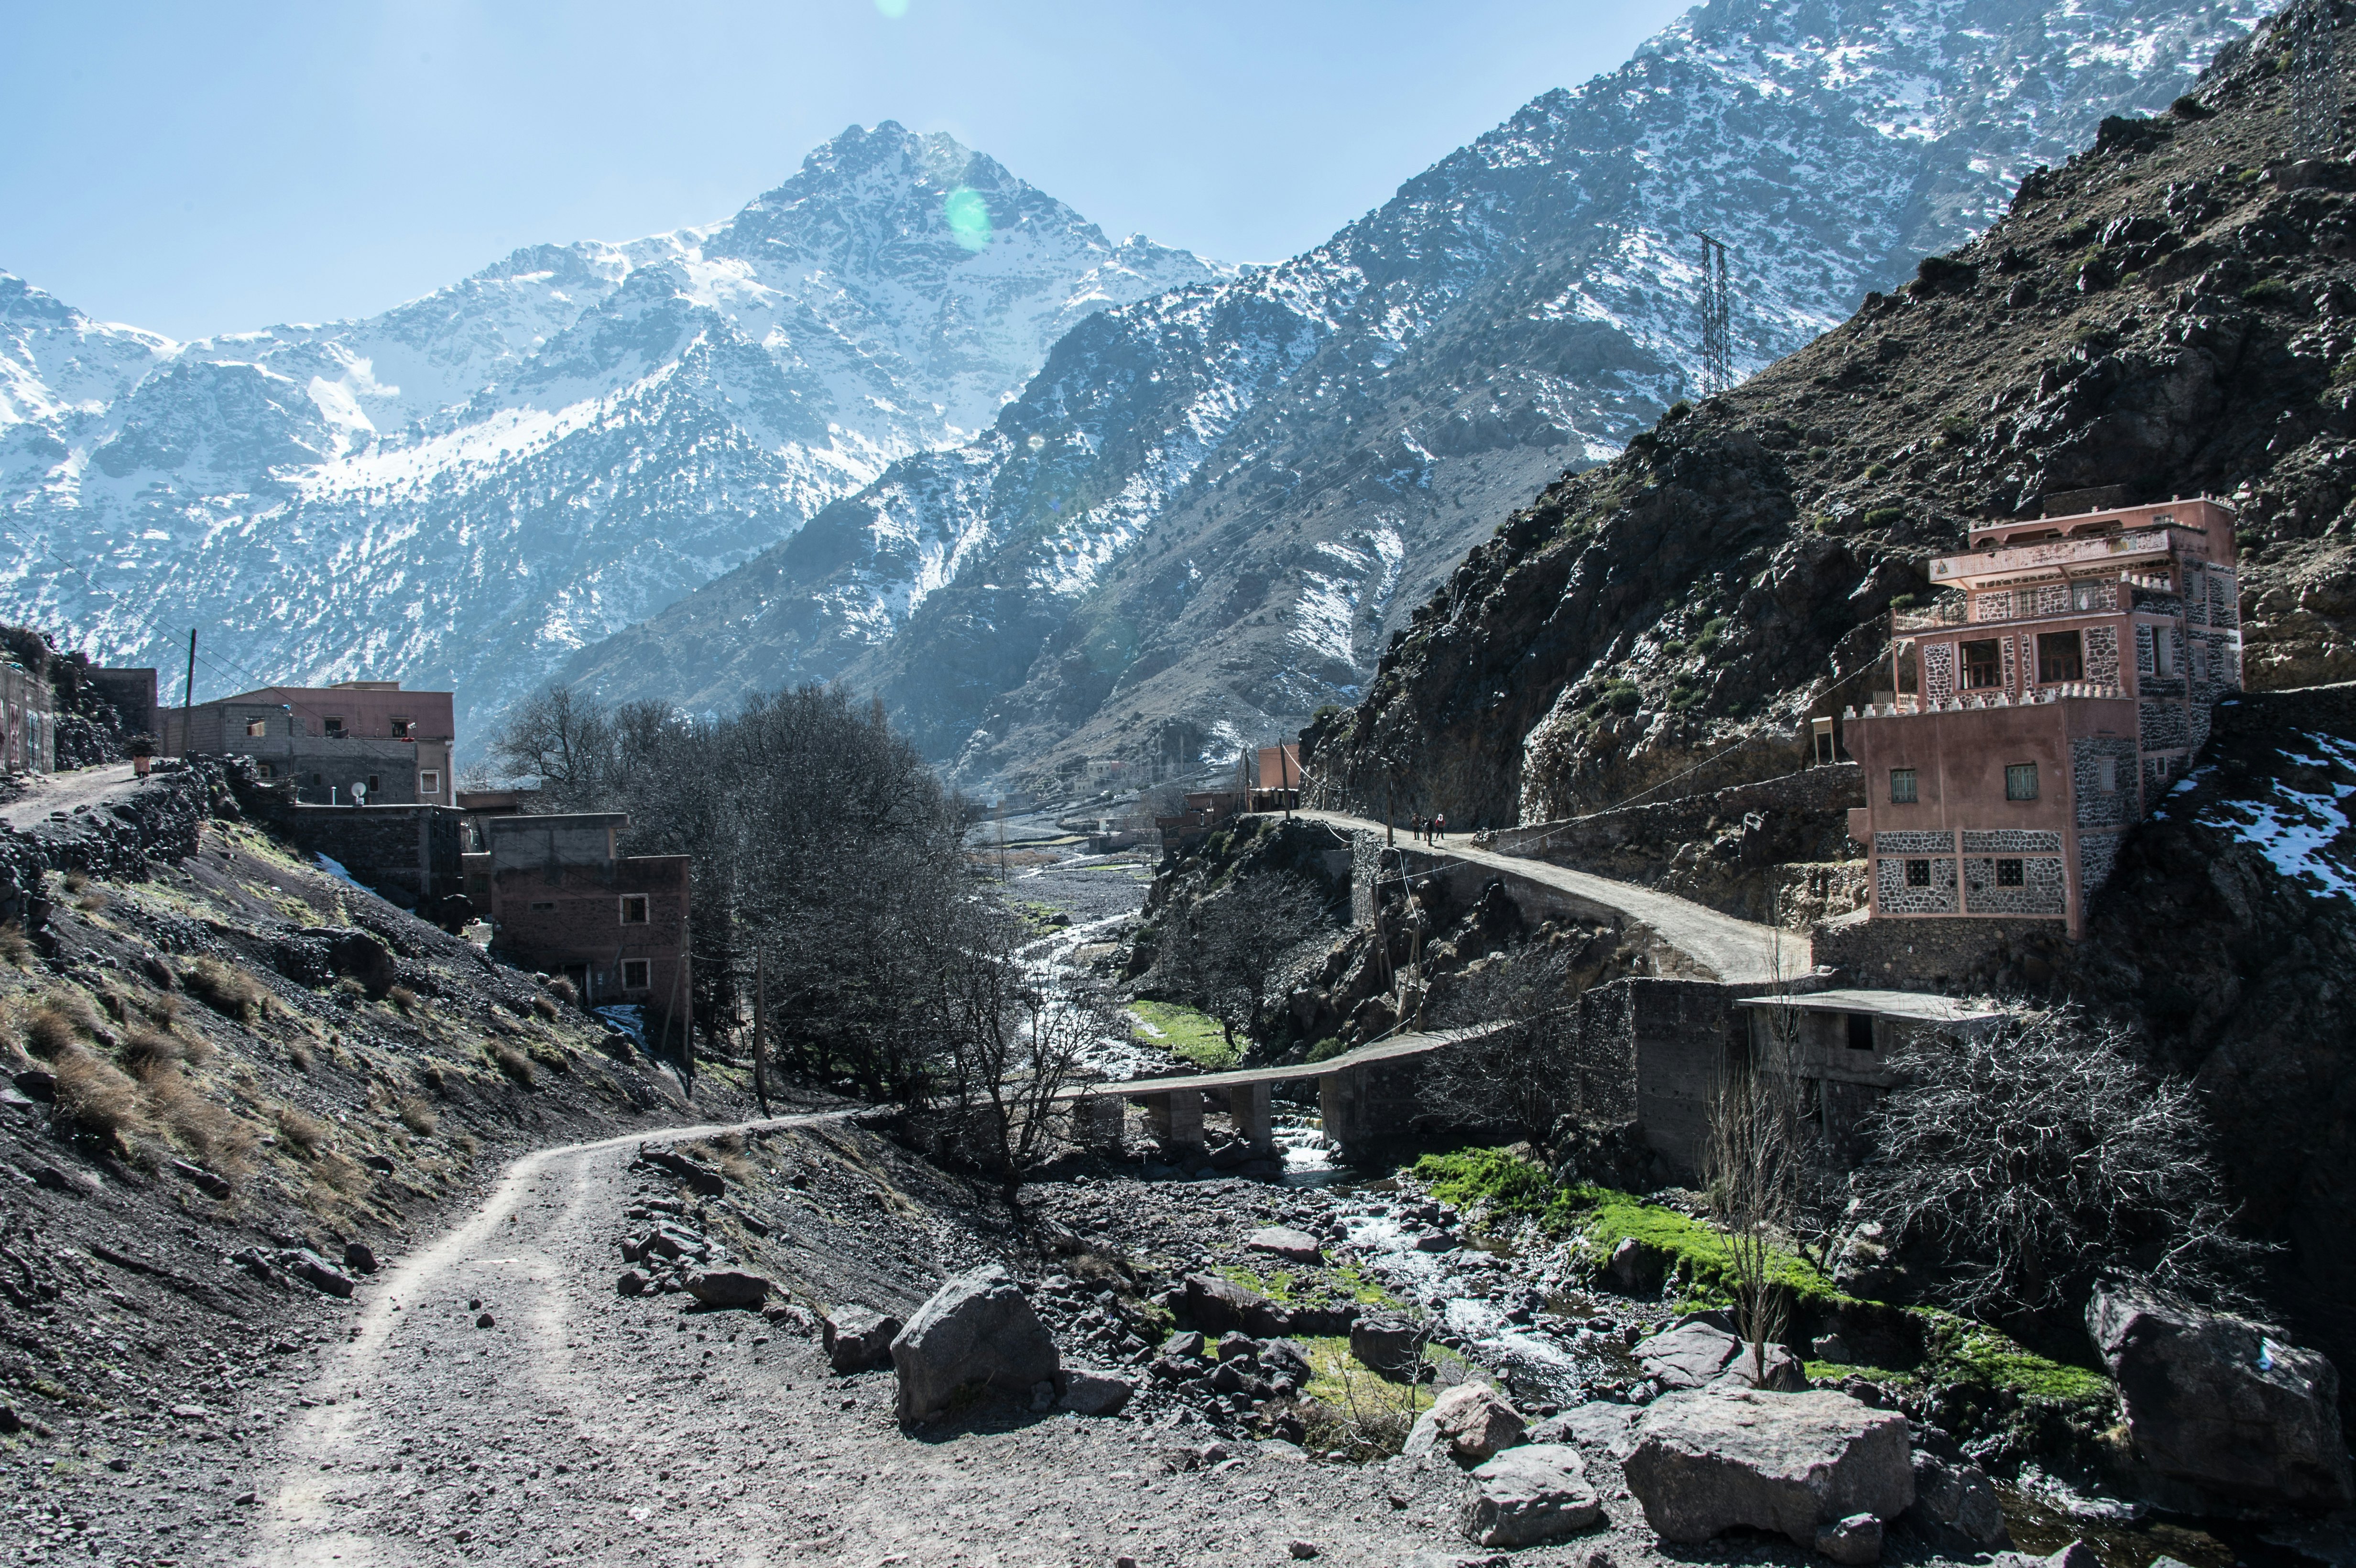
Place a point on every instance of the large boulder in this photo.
(1293, 1246)
(1095, 1393)
(856, 1339)
(727, 1288)
(1688, 1355)
(1708, 1462)
(1218, 1307)
(1470, 1423)
(1390, 1345)
(2217, 1404)
(1537, 1492)
(1955, 1506)
(977, 1331)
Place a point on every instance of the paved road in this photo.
(1388, 1049)
(1732, 950)
(45, 792)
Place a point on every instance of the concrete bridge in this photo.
(1711, 946)
(1173, 1106)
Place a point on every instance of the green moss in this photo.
(2268, 292)
(1496, 1184)
(1326, 1049)
(1962, 1352)
(1309, 1286)
(1833, 1372)
(1187, 1034)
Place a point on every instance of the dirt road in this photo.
(45, 792)
(580, 1425)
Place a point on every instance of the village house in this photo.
(563, 900)
(323, 741)
(28, 724)
(2059, 687)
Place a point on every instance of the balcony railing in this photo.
(1946, 611)
(2066, 552)
(1908, 703)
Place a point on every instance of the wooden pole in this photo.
(761, 1028)
(188, 700)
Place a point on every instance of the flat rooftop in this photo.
(1914, 1007)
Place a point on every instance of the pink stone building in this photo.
(2043, 705)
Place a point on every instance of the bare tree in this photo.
(1753, 1164)
(1520, 1077)
(1224, 954)
(2028, 1159)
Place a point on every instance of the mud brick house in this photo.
(28, 724)
(562, 900)
(2064, 680)
(324, 739)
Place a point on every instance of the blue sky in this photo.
(198, 170)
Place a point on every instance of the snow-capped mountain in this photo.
(467, 487)
(1205, 515)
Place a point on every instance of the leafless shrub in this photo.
(302, 1132)
(1523, 1074)
(1754, 1163)
(1365, 1414)
(418, 1116)
(2025, 1160)
(1225, 953)
(223, 990)
(13, 946)
(99, 1100)
(545, 1008)
(515, 1064)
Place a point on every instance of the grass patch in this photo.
(1966, 1353)
(302, 1131)
(1494, 1183)
(1186, 1033)
(99, 1101)
(418, 1116)
(515, 1064)
(223, 990)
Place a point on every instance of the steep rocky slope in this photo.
(2167, 312)
(1203, 518)
(467, 486)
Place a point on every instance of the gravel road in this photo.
(580, 1425)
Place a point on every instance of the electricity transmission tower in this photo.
(1716, 348)
(2314, 87)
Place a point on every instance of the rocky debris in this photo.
(1293, 1246)
(1599, 1424)
(1699, 1353)
(1635, 1268)
(316, 1271)
(1526, 1495)
(1470, 1423)
(1955, 1506)
(977, 1329)
(1095, 1393)
(857, 1339)
(631, 1283)
(1854, 1542)
(1094, 1314)
(360, 1257)
(1708, 1462)
(485, 1320)
(1217, 1307)
(1388, 1344)
(727, 1288)
(2217, 1404)
(702, 1179)
(209, 1183)
(64, 1178)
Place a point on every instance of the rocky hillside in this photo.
(463, 488)
(1209, 511)
(2167, 312)
(230, 1084)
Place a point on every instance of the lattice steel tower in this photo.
(2314, 84)
(1717, 346)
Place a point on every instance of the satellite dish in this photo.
(359, 793)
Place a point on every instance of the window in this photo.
(373, 785)
(1918, 873)
(2200, 661)
(633, 975)
(634, 909)
(2163, 649)
(318, 781)
(257, 726)
(2107, 776)
(2020, 781)
(543, 909)
(265, 770)
(1901, 786)
(401, 729)
(2061, 656)
(2088, 596)
(1983, 664)
(331, 726)
(429, 782)
(1860, 1032)
(2008, 873)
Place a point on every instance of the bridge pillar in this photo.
(1096, 1120)
(1337, 1104)
(1249, 1103)
(1175, 1118)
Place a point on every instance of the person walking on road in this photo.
(1439, 827)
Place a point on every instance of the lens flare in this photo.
(968, 217)
(894, 9)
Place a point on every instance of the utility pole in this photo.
(761, 1028)
(188, 700)
(1717, 348)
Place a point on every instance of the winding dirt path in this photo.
(584, 1426)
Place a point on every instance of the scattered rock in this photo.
(360, 1257)
(1301, 1550)
(1599, 1424)
(1283, 1359)
(2077, 1555)
(699, 1178)
(1434, 1242)
(727, 1288)
(1854, 1542)
(1705, 1463)
(1955, 1506)
(37, 1083)
(1188, 1343)
(1522, 1496)
(2217, 1404)
(1470, 1423)
(856, 1339)
(1635, 1268)
(485, 1320)
(316, 1271)
(1689, 1356)
(978, 1328)
(1388, 1344)
(632, 1283)
(1095, 1394)
(1294, 1246)
(1832, 1347)
(58, 1179)
(10, 1421)
(208, 1182)
(1233, 1347)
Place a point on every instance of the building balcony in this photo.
(1908, 704)
(2055, 557)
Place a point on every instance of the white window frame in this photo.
(429, 782)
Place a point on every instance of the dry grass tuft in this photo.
(99, 1101)
(50, 1032)
(77, 880)
(90, 902)
(163, 1009)
(298, 1057)
(562, 990)
(545, 1008)
(402, 996)
(216, 1136)
(147, 1049)
(515, 1064)
(352, 988)
(301, 1131)
(223, 990)
(418, 1116)
(14, 946)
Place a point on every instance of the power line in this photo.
(1717, 317)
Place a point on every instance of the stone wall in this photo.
(407, 854)
(1956, 957)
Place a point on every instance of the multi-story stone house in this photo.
(561, 899)
(323, 740)
(2063, 681)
